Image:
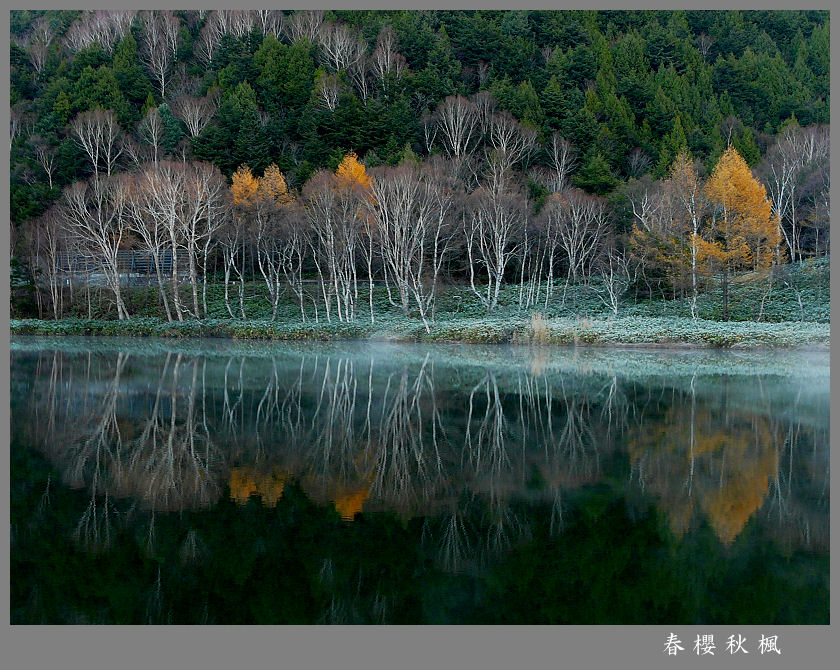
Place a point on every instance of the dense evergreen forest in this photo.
(599, 122)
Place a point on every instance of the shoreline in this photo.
(629, 332)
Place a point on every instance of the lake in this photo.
(209, 481)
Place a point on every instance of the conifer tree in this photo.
(350, 171)
(744, 231)
(244, 186)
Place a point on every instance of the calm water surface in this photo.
(158, 481)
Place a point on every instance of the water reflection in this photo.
(460, 440)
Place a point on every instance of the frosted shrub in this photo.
(539, 332)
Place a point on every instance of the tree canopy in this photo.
(615, 83)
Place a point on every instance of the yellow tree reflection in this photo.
(247, 481)
(703, 459)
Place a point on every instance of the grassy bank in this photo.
(788, 310)
(617, 331)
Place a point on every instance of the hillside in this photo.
(481, 165)
(627, 89)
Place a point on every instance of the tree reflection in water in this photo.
(488, 454)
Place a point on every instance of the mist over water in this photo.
(446, 483)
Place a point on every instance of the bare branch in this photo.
(341, 46)
(97, 132)
(161, 36)
(195, 112)
(303, 24)
(457, 121)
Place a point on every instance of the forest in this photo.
(352, 162)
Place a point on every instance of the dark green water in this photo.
(220, 482)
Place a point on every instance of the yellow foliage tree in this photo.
(351, 172)
(273, 187)
(744, 231)
(244, 186)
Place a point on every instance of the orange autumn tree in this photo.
(243, 190)
(244, 185)
(246, 189)
(272, 186)
(350, 171)
(693, 463)
(744, 231)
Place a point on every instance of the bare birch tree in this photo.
(303, 24)
(45, 155)
(42, 31)
(581, 221)
(209, 40)
(334, 211)
(204, 209)
(294, 242)
(485, 107)
(196, 112)
(340, 46)
(241, 22)
(458, 126)
(102, 26)
(493, 227)
(511, 141)
(49, 239)
(145, 222)
(97, 132)
(613, 263)
(686, 187)
(386, 62)
(38, 52)
(795, 153)
(411, 210)
(230, 237)
(328, 88)
(164, 192)
(270, 22)
(161, 37)
(637, 162)
(150, 130)
(95, 212)
(268, 210)
(647, 202)
(562, 159)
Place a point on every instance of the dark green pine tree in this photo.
(581, 66)
(441, 76)
(595, 175)
(251, 145)
(172, 132)
(660, 113)
(552, 103)
(99, 88)
(222, 141)
(148, 104)
(130, 75)
(744, 142)
(286, 75)
(672, 144)
(61, 107)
